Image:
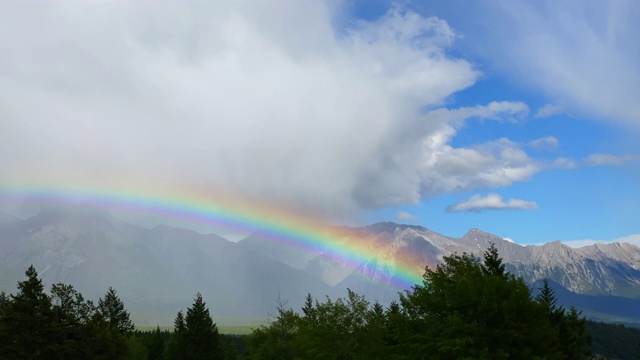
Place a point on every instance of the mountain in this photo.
(158, 271)
(605, 269)
(155, 271)
(587, 276)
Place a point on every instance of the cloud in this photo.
(547, 143)
(585, 54)
(593, 160)
(405, 216)
(478, 203)
(606, 159)
(631, 239)
(549, 110)
(224, 96)
(493, 164)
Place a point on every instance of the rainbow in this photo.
(231, 213)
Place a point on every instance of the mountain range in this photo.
(157, 271)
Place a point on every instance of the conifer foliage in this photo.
(195, 335)
(63, 325)
(466, 308)
(27, 321)
(113, 311)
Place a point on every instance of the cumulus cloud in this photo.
(493, 164)
(225, 96)
(478, 203)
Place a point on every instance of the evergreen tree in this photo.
(308, 310)
(574, 337)
(201, 333)
(279, 340)
(26, 325)
(547, 299)
(112, 309)
(469, 309)
(492, 264)
(195, 335)
(72, 314)
(465, 309)
(4, 301)
(176, 347)
(155, 345)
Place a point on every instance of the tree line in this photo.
(465, 308)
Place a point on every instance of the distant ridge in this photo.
(157, 271)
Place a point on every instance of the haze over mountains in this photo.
(157, 271)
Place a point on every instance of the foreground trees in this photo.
(112, 310)
(464, 309)
(34, 325)
(471, 309)
(195, 337)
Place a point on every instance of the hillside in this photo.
(158, 271)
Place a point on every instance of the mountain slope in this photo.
(156, 272)
(605, 269)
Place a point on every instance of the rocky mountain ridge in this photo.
(600, 269)
(157, 271)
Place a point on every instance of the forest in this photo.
(466, 308)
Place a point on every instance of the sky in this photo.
(520, 118)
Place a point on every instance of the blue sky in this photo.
(589, 202)
(518, 118)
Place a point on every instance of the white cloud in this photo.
(493, 164)
(593, 160)
(479, 203)
(549, 110)
(564, 163)
(223, 95)
(631, 239)
(606, 159)
(586, 54)
(548, 143)
(405, 216)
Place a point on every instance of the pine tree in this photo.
(471, 309)
(492, 264)
(176, 347)
(548, 300)
(575, 339)
(4, 302)
(195, 335)
(155, 345)
(308, 310)
(201, 333)
(112, 308)
(26, 325)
